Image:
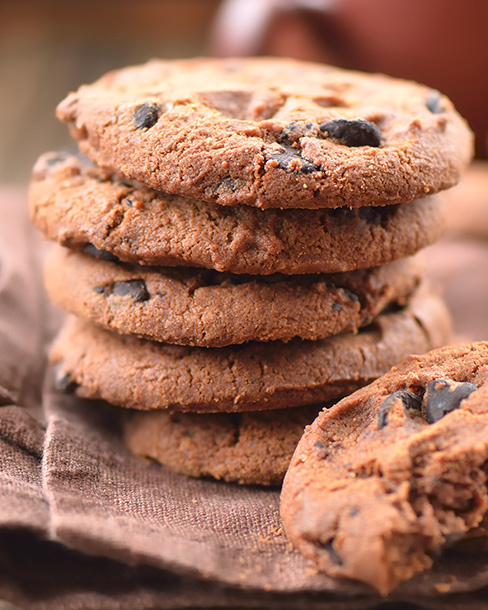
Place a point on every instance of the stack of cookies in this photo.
(236, 248)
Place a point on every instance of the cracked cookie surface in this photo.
(80, 206)
(255, 376)
(390, 475)
(270, 132)
(211, 309)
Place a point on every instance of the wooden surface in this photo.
(50, 47)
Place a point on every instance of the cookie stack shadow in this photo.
(224, 329)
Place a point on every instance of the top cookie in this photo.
(271, 133)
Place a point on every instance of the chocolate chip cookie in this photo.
(146, 375)
(270, 132)
(86, 208)
(247, 448)
(211, 309)
(390, 475)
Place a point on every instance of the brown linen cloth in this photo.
(83, 525)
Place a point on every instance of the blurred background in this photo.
(50, 47)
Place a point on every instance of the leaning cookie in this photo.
(83, 207)
(386, 478)
(141, 374)
(246, 448)
(270, 132)
(211, 309)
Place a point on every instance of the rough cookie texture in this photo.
(247, 448)
(211, 309)
(78, 204)
(141, 374)
(270, 132)
(386, 478)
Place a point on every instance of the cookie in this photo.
(78, 205)
(211, 309)
(270, 132)
(247, 448)
(392, 474)
(146, 375)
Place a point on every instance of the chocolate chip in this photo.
(290, 161)
(320, 450)
(328, 546)
(351, 296)
(433, 103)
(336, 307)
(296, 130)
(65, 384)
(308, 167)
(227, 185)
(411, 402)
(444, 396)
(147, 115)
(101, 290)
(134, 288)
(352, 132)
(91, 250)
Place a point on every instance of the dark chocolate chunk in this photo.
(101, 290)
(227, 184)
(64, 383)
(411, 402)
(147, 115)
(352, 132)
(134, 288)
(433, 103)
(444, 396)
(308, 167)
(328, 546)
(320, 450)
(296, 130)
(336, 307)
(351, 296)
(287, 159)
(91, 250)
